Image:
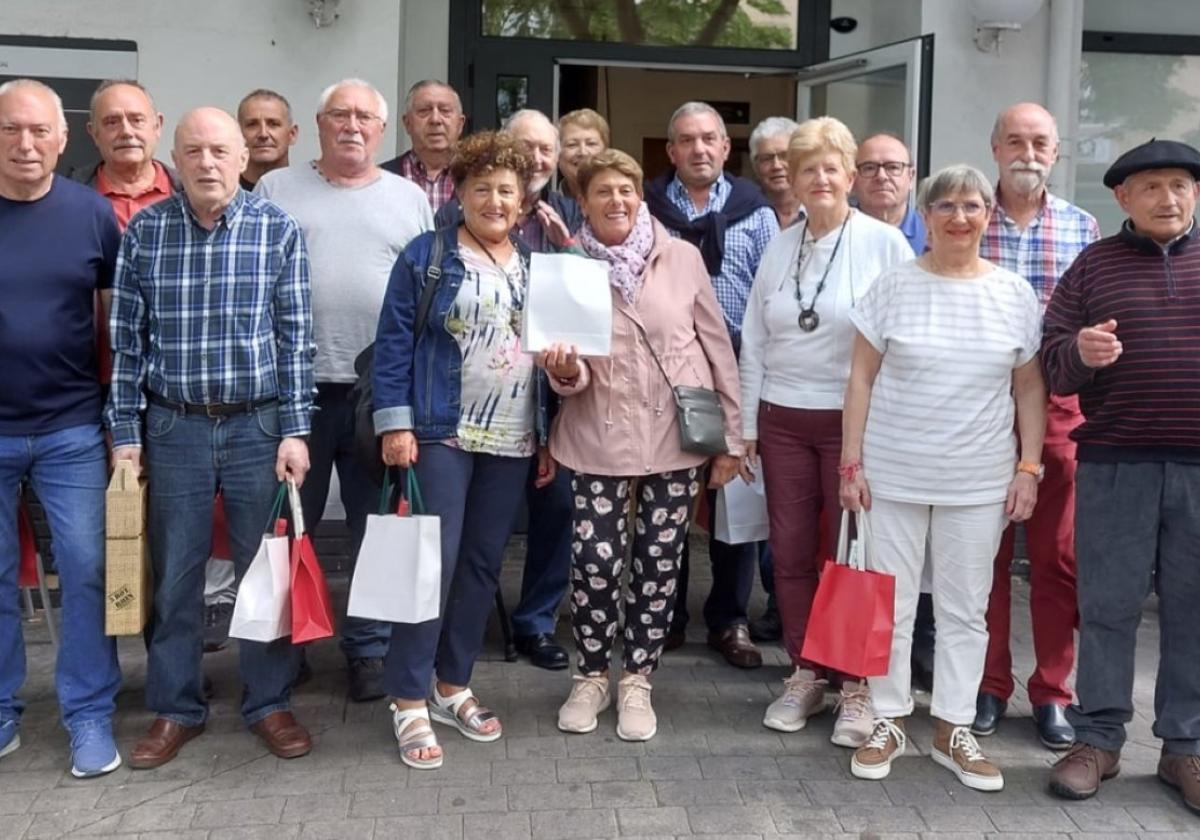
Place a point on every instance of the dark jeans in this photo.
(1137, 525)
(332, 444)
(187, 458)
(547, 554)
(477, 497)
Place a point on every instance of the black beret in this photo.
(1154, 154)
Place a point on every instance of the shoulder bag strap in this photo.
(433, 279)
(657, 361)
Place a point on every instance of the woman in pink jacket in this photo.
(617, 430)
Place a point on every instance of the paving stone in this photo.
(1093, 817)
(525, 771)
(368, 777)
(152, 817)
(238, 812)
(549, 797)
(342, 830)
(496, 827)
(739, 767)
(392, 803)
(1009, 818)
(591, 746)
(1152, 818)
(301, 783)
(806, 820)
(875, 819)
(554, 746)
(13, 803)
(956, 818)
(326, 806)
(697, 793)
(129, 795)
(598, 769)
(651, 821)
(256, 832)
(666, 768)
(462, 800)
(574, 824)
(192, 834)
(923, 792)
(841, 793)
(773, 793)
(727, 820)
(439, 827)
(623, 794)
(812, 768)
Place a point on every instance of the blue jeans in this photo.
(187, 458)
(477, 497)
(69, 472)
(332, 443)
(547, 555)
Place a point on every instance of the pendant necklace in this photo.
(809, 320)
(517, 298)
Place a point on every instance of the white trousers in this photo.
(962, 547)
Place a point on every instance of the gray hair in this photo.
(40, 87)
(112, 83)
(428, 83)
(1002, 118)
(328, 93)
(688, 109)
(771, 127)
(265, 93)
(957, 178)
(531, 114)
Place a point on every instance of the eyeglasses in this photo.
(342, 116)
(970, 209)
(771, 157)
(893, 168)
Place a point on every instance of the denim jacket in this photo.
(420, 388)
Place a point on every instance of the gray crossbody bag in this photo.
(701, 420)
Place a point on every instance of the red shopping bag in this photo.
(853, 613)
(312, 610)
(27, 575)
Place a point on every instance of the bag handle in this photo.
(412, 492)
(123, 479)
(276, 509)
(293, 493)
(855, 559)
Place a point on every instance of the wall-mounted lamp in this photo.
(323, 12)
(995, 17)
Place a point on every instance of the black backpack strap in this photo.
(433, 279)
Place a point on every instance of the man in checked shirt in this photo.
(1036, 235)
(212, 340)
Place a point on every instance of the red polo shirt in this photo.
(126, 205)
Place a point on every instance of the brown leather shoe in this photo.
(1183, 773)
(734, 644)
(1078, 774)
(283, 735)
(161, 743)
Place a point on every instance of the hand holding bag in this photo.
(701, 418)
(853, 613)
(262, 611)
(398, 573)
(312, 609)
(741, 515)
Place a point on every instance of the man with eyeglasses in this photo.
(356, 220)
(769, 155)
(884, 180)
(434, 120)
(1038, 236)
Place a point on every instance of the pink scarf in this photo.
(627, 261)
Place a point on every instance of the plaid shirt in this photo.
(211, 316)
(745, 242)
(1045, 249)
(438, 190)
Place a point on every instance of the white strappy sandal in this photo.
(414, 733)
(449, 711)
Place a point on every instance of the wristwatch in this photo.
(1038, 471)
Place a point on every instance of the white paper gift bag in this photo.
(569, 301)
(741, 515)
(263, 610)
(398, 574)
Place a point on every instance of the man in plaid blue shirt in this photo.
(730, 221)
(1037, 235)
(212, 340)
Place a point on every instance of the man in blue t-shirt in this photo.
(59, 240)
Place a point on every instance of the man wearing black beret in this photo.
(1123, 332)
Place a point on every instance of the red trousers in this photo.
(1050, 540)
(800, 451)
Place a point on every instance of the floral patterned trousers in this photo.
(661, 507)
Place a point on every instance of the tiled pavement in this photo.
(712, 770)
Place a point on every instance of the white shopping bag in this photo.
(569, 301)
(741, 513)
(398, 574)
(263, 610)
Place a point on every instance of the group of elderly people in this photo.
(871, 377)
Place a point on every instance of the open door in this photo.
(886, 89)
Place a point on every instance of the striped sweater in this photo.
(1146, 405)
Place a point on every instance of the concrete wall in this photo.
(213, 52)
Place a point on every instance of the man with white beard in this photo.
(1036, 235)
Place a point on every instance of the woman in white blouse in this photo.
(796, 343)
(946, 349)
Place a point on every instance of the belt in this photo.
(212, 409)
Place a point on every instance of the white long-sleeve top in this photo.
(779, 362)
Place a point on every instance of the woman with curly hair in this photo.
(458, 402)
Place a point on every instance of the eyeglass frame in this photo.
(882, 166)
(949, 209)
(342, 116)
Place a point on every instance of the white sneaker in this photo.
(855, 720)
(589, 697)
(803, 696)
(636, 720)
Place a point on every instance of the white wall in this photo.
(211, 52)
(1169, 17)
(879, 22)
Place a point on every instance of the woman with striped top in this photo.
(946, 349)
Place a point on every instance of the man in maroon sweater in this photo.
(1123, 332)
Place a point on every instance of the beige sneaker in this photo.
(873, 760)
(589, 697)
(803, 696)
(636, 720)
(855, 720)
(955, 748)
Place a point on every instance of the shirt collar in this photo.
(161, 183)
(1145, 243)
(1003, 218)
(716, 196)
(231, 211)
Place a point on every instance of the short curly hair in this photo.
(485, 152)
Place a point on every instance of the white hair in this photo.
(531, 114)
(688, 109)
(429, 83)
(771, 127)
(328, 93)
(40, 87)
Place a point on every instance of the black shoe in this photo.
(768, 628)
(543, 651)
(675, 640)
(924, 636)
(988, 710)
(921, 668)
(366, 679)
(216, 625)
(1052, 726)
